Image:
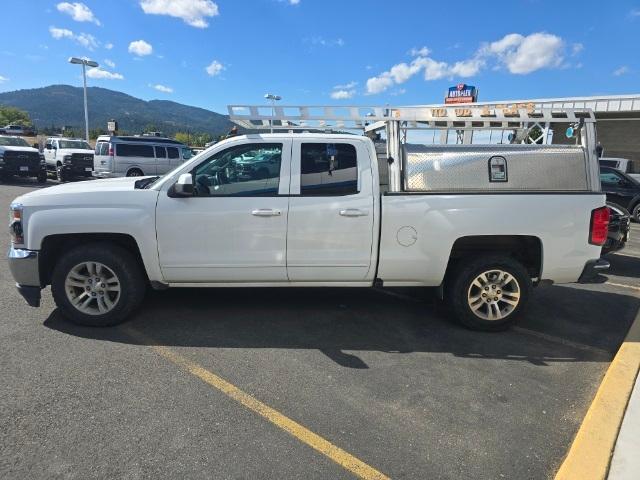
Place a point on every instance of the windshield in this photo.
(74, 144)
(13, 142)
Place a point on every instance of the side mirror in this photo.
(183, 187)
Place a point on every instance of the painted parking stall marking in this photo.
(303, 434)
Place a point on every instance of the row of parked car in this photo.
(73, 159)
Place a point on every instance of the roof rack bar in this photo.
(430, 117)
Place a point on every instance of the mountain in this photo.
(62, 105)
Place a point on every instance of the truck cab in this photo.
(68, 158)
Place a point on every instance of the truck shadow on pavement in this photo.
(562, 324)
(624, 266)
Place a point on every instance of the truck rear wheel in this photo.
(97, 285)
(489, 293)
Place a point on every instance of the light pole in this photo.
(85, 62)
(274, 99)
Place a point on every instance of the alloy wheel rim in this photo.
(92, 288)
(493, 295)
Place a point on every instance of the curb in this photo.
(590, 454)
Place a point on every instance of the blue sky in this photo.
(351, 52)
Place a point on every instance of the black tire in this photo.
(42, 177)
(121, 262)
(459, 285)
(61, 174)
(135, 172)
(635, 213)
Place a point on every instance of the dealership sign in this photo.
(462, 93)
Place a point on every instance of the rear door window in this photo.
(173, 152)
(127, 150)
(161, 152)
(328, 169)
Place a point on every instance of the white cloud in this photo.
(214, 68)
(109, 63)
(419, 52)
(576, 48)
(192, 12)
(78, 11)
(140, 48)
(294, 2)
(522, 55)
(108, 46)
(59, 33)
(346, 86)
(635, 12)
(3, 79)
(85, 39)
(101, 74)
(518, 53)
(342, 94)
(378, 84)
(621, 71)
(162, 88)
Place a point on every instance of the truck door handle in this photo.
(353, 212)
(266, 212)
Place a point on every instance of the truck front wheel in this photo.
(61, 175)
(489, 293)
(97, 285)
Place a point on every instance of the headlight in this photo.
(15, 225)
(67, 159)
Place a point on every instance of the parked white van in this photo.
(120, 156)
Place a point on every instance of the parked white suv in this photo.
(68, 158)
(137, 156)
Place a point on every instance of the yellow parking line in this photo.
(590, 454)
(341, 457)
(562, 341)
(622, 285)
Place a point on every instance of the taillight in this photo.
(599, 226)
(111, 150)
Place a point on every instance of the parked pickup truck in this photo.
(325, 217)
(68, 158)
(19, 159)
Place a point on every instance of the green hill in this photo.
(62, 105)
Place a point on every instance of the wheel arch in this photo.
(54, 246)
(526, 249)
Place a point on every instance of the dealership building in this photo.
(617, 117)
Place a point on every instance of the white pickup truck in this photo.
(322, 214)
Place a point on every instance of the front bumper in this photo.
(25, 270)
(591, 270)
(15, 171)
(77, 171)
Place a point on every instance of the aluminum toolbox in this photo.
(460, 168)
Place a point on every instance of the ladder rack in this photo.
(498, 116)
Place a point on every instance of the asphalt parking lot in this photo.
(384, 376)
